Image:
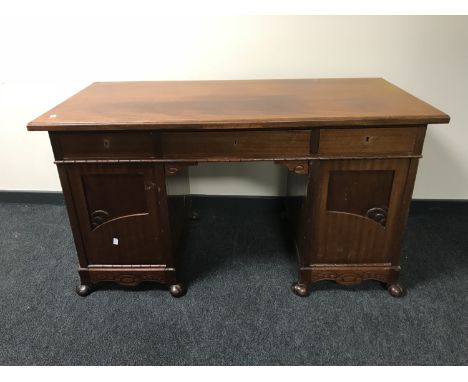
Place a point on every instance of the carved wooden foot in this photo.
(177, 290)
(300, 289)
(395, 290)
(83, 290)
(194, 216)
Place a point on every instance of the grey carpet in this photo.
(239, 308)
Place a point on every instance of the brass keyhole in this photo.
(106, 143)
(367, 139)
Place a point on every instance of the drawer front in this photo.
(371, 141)
(101, 145)
(227, 144)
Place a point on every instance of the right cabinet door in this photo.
(358, 210)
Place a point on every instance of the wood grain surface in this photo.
(254, 104)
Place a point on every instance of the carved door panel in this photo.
(119, 212)
(356, 210)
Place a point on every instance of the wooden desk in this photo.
(351, 145)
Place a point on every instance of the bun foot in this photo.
(300, 289)
(395, 290)
(194, 216)
(177, 290)
(83, 290)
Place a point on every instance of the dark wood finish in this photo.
(133, 227)
(351, 147)
(178, 206)
(349, 274)
(354, 213)
(127, 276)
(365, 193)
(123, 145)
(224, 145)
(147, 146)
(181, 149)
(237, 105)
(72, 215)
(362, 142)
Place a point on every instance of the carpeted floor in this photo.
(239, 308)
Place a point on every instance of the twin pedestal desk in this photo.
(351, 146)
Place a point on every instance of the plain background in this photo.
(48, 56)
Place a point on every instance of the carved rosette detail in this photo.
(172, 170)
(298, 167)
(349, 278)
(98, 217)
(378, 214)
(126, 279)
(175, 168)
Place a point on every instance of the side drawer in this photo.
(368, 141)
(230, 144)
(102, 145)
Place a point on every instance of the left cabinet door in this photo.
(119, 209)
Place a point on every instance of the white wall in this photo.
(49, 54)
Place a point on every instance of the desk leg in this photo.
(351, 221)
(179, 211)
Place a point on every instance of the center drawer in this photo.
(230, 144)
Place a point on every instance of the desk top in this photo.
(256, 104)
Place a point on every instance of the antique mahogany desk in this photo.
(351, 147)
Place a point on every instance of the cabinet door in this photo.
(119, 212)
(357, 211)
